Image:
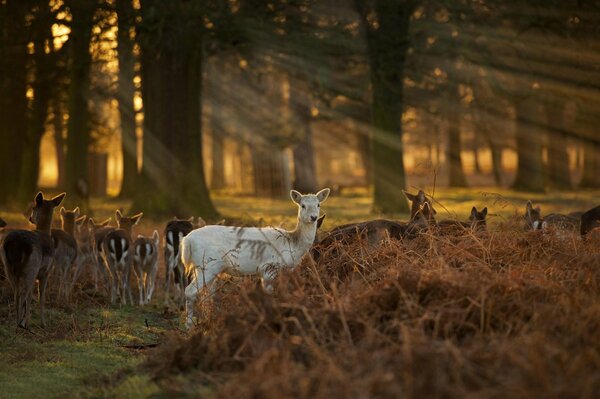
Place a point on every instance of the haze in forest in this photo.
(163, 103)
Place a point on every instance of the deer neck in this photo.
(69, 227)
(303, 236)
(44, 226)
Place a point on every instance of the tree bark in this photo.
(387, 43)
(172, 181)
(78, 129)
(496, 151)
(305, 177)
(457, 176)
(13, 101)
(125, 96)
(559, 176)
(42, 86)
(591, 165)
(59, 142)
(530, 168)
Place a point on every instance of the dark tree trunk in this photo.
(42, 86)
(530, 168)
(172, 181)
(457, 176)
(78, 129)
(387, 45)
(13, 101)
(59, 142)
(125, 95)
(496, 151)
(559, 176)
(591, 165)
(305, 179)
(270, 173)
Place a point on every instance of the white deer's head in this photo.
(309, 205)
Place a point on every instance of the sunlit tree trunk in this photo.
(271, 174)
(78, 128)
(305, 178)
(559, 176)
(59, 142)
(42, 86)
(530, 168)
(125, 95)
(387, 43)
(217, 180)
(172, 181)
(13, 102)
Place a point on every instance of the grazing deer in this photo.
(65, 250)
(211, 250)
(97, 233)
(85, 254)
(118, 256)
(590, 220)
(174, 232)
(556, 221)
(28, 255)
(145, 265)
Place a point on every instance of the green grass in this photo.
(82, 353)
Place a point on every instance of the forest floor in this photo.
(508, 314)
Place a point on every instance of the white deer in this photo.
(212, 250)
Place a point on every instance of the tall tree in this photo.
(457, 176)
(172, 180)
(386, 26)
(78, 125)
(305, 176)
(125, 95)
(42, 86)
(13, 86)
(556, 138)
(530, 166)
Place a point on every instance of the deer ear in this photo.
(105, 223)
(296, 196)
(77, 211)
(91, 223)
(320, 221)
(200, 222)
(58, 199)
(323, 194)
(409, 196)
(155, 236)
(81, 220)
(484, 211)
(529, 206)
(473, 212)
(136, 218)
(191, 219)
(118, 215)
(62, 211)
(39, 199)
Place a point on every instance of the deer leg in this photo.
(43, 278)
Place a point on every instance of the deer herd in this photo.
(196, 254)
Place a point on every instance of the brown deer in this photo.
(174, 232)
(65, 250)
(118, 256)
(555, 221)
(97, 233)
(145, 265)
(374, 231)
(590, 220)
(84, 251)
(28, 255)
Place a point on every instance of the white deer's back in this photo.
(243, 250)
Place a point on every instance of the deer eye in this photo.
(318, 205)
(303, 207)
